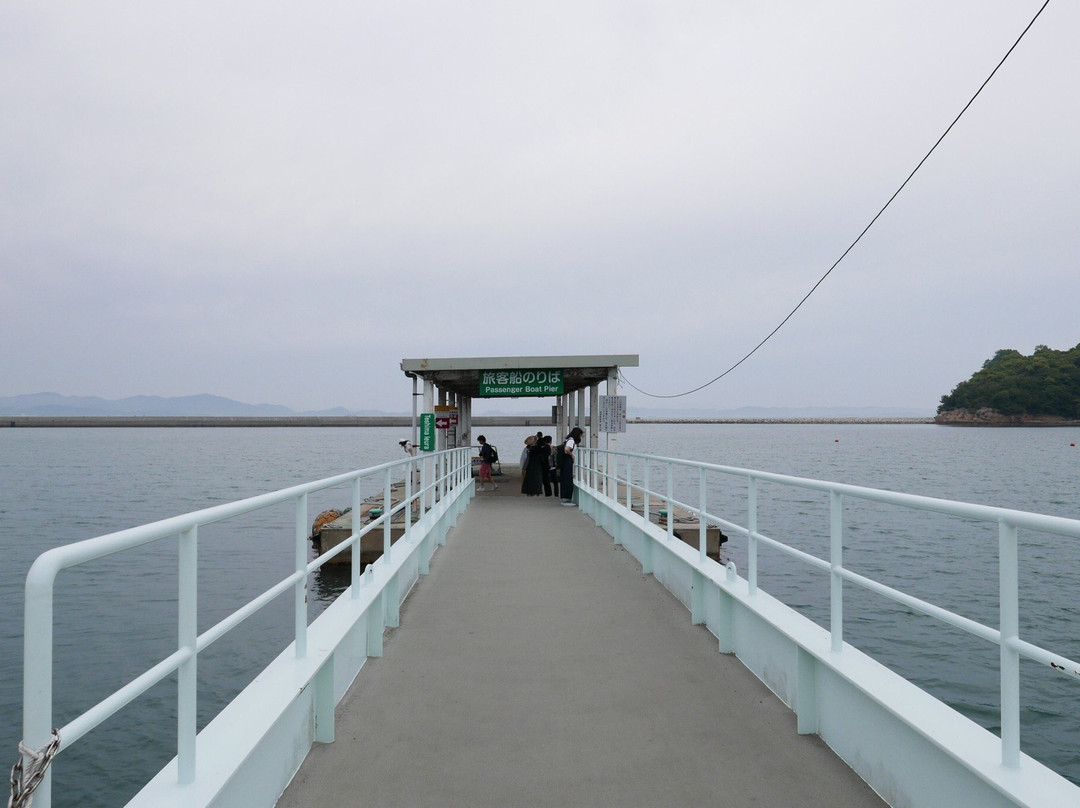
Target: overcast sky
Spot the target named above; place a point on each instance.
(277, 202)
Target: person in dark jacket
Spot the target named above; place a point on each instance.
(566, 468)
(547, 470)
(532, 473)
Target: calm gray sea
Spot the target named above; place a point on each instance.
(115, 618)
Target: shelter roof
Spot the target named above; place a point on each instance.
(462, 375)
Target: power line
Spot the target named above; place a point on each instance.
(851, 246)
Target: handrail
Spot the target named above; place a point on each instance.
(440, 473)
(597, 466)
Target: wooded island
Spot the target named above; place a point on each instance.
(1016, 390)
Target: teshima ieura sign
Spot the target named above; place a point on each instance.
(494, 383)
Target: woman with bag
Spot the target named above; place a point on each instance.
(566, 469)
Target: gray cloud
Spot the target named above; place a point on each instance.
(276, 203)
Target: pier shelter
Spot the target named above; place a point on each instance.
(451, 385)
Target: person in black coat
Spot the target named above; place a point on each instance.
(532, 478)
(548, 473)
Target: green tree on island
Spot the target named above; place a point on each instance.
(1045, 383)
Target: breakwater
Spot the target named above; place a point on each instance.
(197, 421)
(927, 420)
(64, 421)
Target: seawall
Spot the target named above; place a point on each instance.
(84, 421)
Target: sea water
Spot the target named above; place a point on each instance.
(117, 616)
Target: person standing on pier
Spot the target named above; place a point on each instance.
(533, 476)
(487, 455)
(566, 468)
(523, 464)
(546, 466)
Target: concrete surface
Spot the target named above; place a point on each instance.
(537, 666)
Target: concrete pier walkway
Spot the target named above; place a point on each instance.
(537, 666)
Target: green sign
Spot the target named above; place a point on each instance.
(427, 432)
(494, 383)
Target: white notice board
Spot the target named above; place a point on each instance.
(612, 414)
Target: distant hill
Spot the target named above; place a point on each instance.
(54, 404)
(1045, 384)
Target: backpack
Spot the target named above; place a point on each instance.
(493, 454)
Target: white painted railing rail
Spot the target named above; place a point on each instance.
(439, 475)
(610, 473)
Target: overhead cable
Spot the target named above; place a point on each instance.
(858, 238)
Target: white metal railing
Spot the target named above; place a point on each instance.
(440, 475)
(603, 473)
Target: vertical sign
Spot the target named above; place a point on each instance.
(612, 413)
(427, 432)
(446, 419)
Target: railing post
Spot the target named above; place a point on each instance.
(354, 575)
(406, 512)
(423, 485)
(751, 543)
(386, 516)
(836, 562)
(645, 492)
(629, 486)
(38, 675)
(601, 472)
(670, 496)
(300, 590)
(702, 533)
(1009, 598)
(188, 635)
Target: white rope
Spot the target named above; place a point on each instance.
(25, 783)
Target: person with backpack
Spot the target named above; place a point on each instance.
(488, 455)
(566, 468)
(548, 473)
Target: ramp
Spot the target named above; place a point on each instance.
(535, 666)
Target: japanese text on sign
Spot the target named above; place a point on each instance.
(612, 412)
(427, 432)
(520, 383)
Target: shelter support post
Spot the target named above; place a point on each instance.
(594, 406)
(612, 390)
